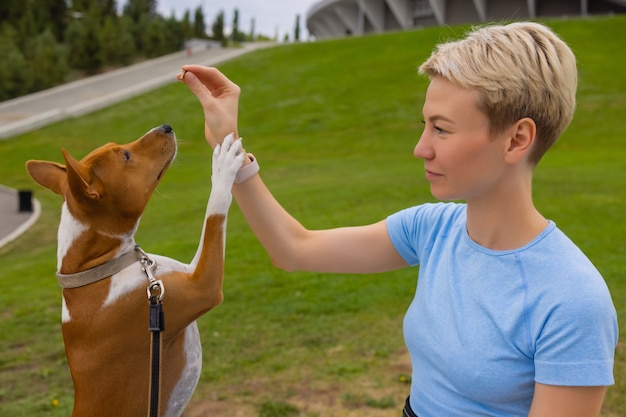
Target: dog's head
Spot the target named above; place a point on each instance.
(112, 182)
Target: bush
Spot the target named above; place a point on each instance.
(153, 38)
(84, 44)
(47, 61)
(13, 68)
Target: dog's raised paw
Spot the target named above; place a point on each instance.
(227, 160)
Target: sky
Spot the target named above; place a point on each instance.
(271, 16)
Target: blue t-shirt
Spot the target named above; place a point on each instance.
(485, 325)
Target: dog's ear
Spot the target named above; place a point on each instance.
(79, 178)
(47, 174)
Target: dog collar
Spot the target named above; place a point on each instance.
(89, 276)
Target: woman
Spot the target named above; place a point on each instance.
(510, 318)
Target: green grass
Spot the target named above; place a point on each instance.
(333, 125)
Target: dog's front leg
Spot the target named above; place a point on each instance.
(208, 262)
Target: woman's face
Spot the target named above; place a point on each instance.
(463, 161)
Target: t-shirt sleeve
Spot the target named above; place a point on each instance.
(577, 342)
(401, 230)
(413, 230)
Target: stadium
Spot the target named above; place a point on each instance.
(336, 18)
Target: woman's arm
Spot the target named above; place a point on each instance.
(561, 401)
(363, 249)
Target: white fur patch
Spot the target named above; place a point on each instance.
(124, 282)
(65, 313)
(191, 373)
(128, 239)
(69, 230)
(227, 160)
(219, 200)
(131, 277)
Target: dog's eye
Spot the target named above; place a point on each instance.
(126, 156)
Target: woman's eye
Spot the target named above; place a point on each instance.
(437, 129)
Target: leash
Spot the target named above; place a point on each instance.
(155, 292)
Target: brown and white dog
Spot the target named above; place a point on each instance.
(105, 323)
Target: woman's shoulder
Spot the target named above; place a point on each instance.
(557, 265)
(415, 228)
(434, 212)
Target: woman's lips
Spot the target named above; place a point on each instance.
(431, 174)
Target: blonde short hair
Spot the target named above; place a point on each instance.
(522, 69)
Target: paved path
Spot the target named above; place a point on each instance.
(33, 111)
(13, 222)
(75, 99)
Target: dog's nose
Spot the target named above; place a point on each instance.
(166, 128)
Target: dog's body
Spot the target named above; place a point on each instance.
(105, 323)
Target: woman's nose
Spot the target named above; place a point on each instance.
(422, 149)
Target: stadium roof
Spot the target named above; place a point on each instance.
(336, 18)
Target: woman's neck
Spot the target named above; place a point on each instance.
(505, 220)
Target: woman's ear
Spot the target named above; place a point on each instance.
(522, 137)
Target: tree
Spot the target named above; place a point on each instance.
(186, 26)
(74, 38)
(104, 7)
(138, 28)
(11, 11)
(252, 23)
(218, 28)
(110, 41)
(137, 9)
(83, 39)
(43, 14)
(108, 8)
(154, 39)
(174, 38)
(80, 5)
(98, 9)
(296, 33)
(50, 14)
(127, 48)
(48, 60)
(13, 69)
(199, 27)
(235, 31)
(41, 40)
(118, 44)
(27, 28)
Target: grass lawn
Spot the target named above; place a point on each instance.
(333, 125)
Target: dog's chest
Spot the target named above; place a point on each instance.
(129, 280)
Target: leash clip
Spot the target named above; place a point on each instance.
(156, 289)
(148, 266)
